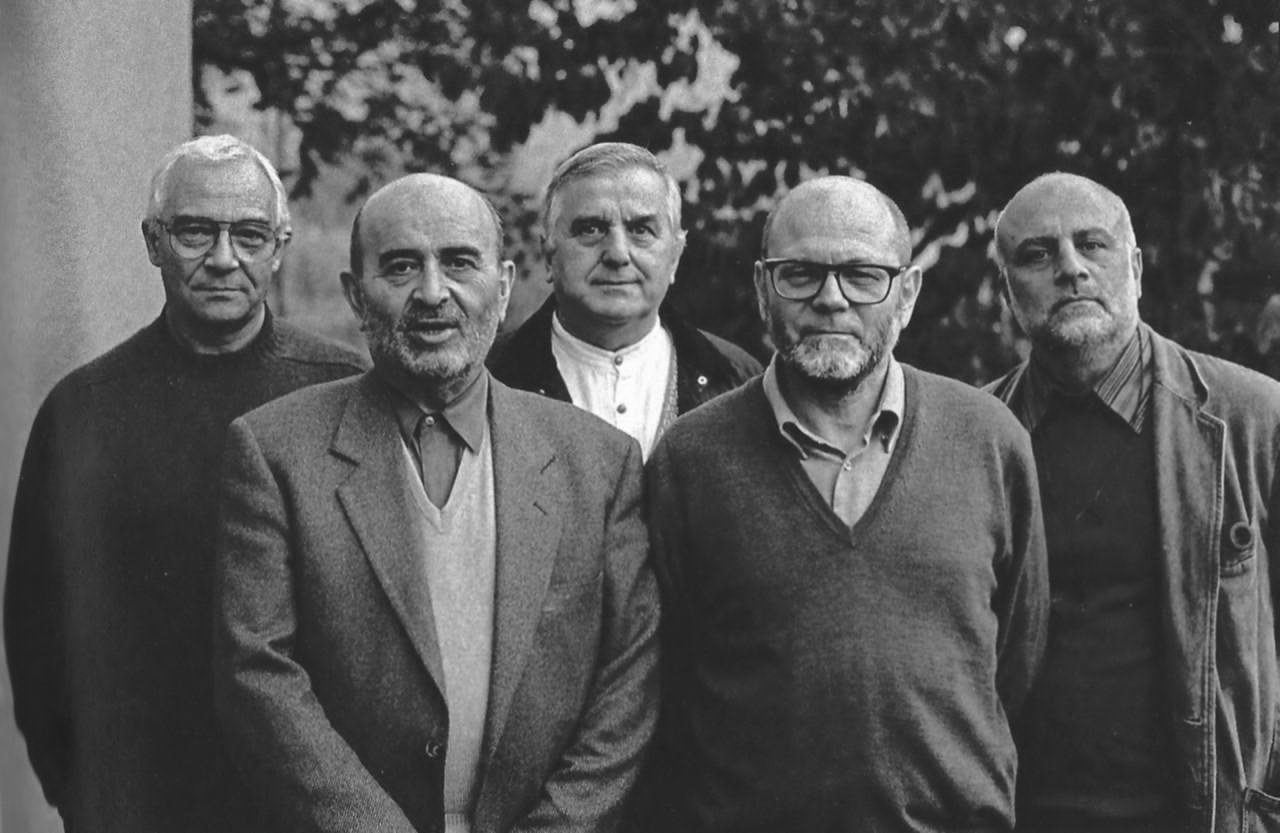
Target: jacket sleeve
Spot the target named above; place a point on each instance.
(1022, 595)
(587, 790)
(303, 770)
(651, 809)
(34, 623)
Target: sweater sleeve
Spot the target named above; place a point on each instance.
(33, 620)
(650, 810)
(1022, 595)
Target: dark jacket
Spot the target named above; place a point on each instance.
(1217, 434)
(706, 365)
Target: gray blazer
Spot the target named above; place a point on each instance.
(327, 669)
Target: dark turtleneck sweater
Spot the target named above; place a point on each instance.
(108, 597)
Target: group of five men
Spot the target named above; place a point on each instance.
(845, 595)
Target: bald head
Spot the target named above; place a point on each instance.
(835, 207)
(431, 194)
(1056, 198)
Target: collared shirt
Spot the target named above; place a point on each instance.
(1125, 389)
(632, 389)
(847, 481)
(437, 439)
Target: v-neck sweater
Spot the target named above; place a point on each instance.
(826, 678)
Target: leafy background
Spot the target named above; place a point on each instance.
(947, 106)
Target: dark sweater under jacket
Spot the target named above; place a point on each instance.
(706, 365)
(819, 678)
(108, 608)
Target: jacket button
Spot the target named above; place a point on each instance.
(434, 749)
(702, 381)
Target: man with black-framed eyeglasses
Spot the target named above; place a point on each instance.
(851, 558)
(108, 601)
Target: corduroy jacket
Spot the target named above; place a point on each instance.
(1217, 435)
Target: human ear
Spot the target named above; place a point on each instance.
(354, 292)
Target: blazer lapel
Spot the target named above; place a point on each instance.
(377, 507)
(528, 521)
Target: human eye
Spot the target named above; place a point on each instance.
(1032, 256)
(589, 230)
(1093, 245)
(251, 236)
(457, 263)
(863, 274)
(643, 230)
(194, 232)
(798, 273)
(400, 269)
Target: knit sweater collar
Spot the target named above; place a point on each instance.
(265, 343)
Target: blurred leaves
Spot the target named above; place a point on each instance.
(949, 107)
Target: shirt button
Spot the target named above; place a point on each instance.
(702, 381)
(622, 409)
(429, 421)
(848, 466)
(617, 360)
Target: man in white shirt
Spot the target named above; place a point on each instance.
(606, 341)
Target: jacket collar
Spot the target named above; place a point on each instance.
(527, 354)
(528, 515)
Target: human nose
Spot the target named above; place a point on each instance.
(830, 295)
(430, 287)
(222, 255)
(616, 250)
(1071, 266)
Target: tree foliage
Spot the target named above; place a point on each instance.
(949, 107)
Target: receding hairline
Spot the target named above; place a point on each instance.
(834, 187)
(1063, 180)
(422, 180)
(218, 149)
(604, 159)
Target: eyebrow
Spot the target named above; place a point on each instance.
(198, 218)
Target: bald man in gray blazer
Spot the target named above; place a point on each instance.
(448, 634)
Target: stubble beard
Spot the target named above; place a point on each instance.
(838, 362)
(391, 347)
(1081, 330)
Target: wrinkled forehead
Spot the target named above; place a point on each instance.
(631, 192)
(238, 186)
(851, 218)
(1060, 209)
(434, 213)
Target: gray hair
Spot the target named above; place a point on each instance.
(608, 158)
(221, 148)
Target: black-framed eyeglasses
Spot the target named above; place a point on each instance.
(802, 280)
(195, 237)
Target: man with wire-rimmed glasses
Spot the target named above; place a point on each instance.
(108, 611)
(852, 562)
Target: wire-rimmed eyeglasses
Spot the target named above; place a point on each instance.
(194, 237)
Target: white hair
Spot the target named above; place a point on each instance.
(221, 148)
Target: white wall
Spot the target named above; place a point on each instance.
(92, 93)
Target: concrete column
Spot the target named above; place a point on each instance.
(91, 96)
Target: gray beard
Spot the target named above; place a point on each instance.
(826, 362)
(391, 349)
